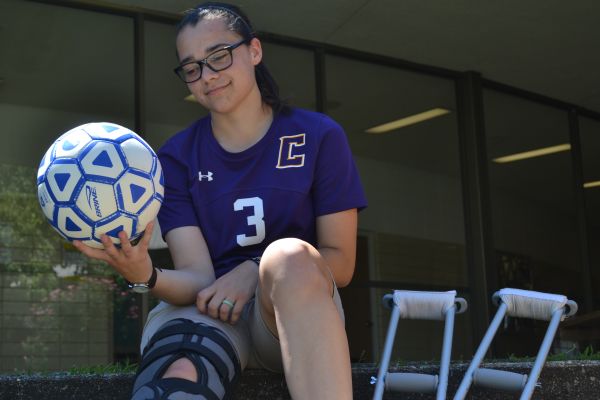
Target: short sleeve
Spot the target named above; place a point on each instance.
(177, 209)
(337, 185)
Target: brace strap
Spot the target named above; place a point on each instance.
(216, 362)
(177, 388)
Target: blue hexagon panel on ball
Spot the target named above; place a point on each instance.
(100, 178)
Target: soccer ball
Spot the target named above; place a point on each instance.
(100, 178)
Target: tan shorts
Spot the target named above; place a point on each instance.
(254, 343)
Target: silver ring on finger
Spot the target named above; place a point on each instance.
(229, 303)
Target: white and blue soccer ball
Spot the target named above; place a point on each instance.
(100, 178)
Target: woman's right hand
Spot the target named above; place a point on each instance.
(132, 262)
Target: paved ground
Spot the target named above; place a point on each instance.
(572, 380)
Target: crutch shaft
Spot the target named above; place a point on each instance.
(446, 353)
(387, 353)
(480, 353)
(542, 354)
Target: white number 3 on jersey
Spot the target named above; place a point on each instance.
(256, 220)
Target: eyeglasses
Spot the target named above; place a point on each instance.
(216, 61)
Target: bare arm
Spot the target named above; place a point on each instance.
(193, 267)
(336, 235)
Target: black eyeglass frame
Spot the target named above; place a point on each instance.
(201, 63)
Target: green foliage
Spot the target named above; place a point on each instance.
(29, 242)
(19, 207)
(119, 368)
(52, 281)
(102, 369)
(572, 354)
(588, 354)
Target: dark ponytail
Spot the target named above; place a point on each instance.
(269, 89)
(238, 22)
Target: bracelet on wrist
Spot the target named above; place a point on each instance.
(143, 287)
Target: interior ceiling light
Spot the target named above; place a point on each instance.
(190, 98)
(413, 119)
(592, 184)
(533, 153)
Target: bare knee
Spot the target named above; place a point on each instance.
(182, 368)
(293, 266)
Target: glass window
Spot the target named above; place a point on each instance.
(590, 148)
(533, 218)
(170, 107)
(412, 180)
(293, 70)
(60, 68)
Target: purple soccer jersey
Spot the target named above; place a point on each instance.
(301, 169)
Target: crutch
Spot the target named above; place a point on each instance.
(523, 304)
(418, 305)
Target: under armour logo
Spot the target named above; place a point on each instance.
(208, 176)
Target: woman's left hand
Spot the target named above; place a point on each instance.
(235, 287)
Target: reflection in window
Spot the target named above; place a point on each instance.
(169, 107)
(293, 72)
(533, 217)
(412, 179)
(61, 68)
(590, 148)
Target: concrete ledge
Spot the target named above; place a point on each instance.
(559, 380)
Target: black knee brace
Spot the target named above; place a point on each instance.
(213, 356)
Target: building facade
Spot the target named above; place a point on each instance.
(446, 210)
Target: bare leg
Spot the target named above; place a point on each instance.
(296, 303)
(182, 368)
